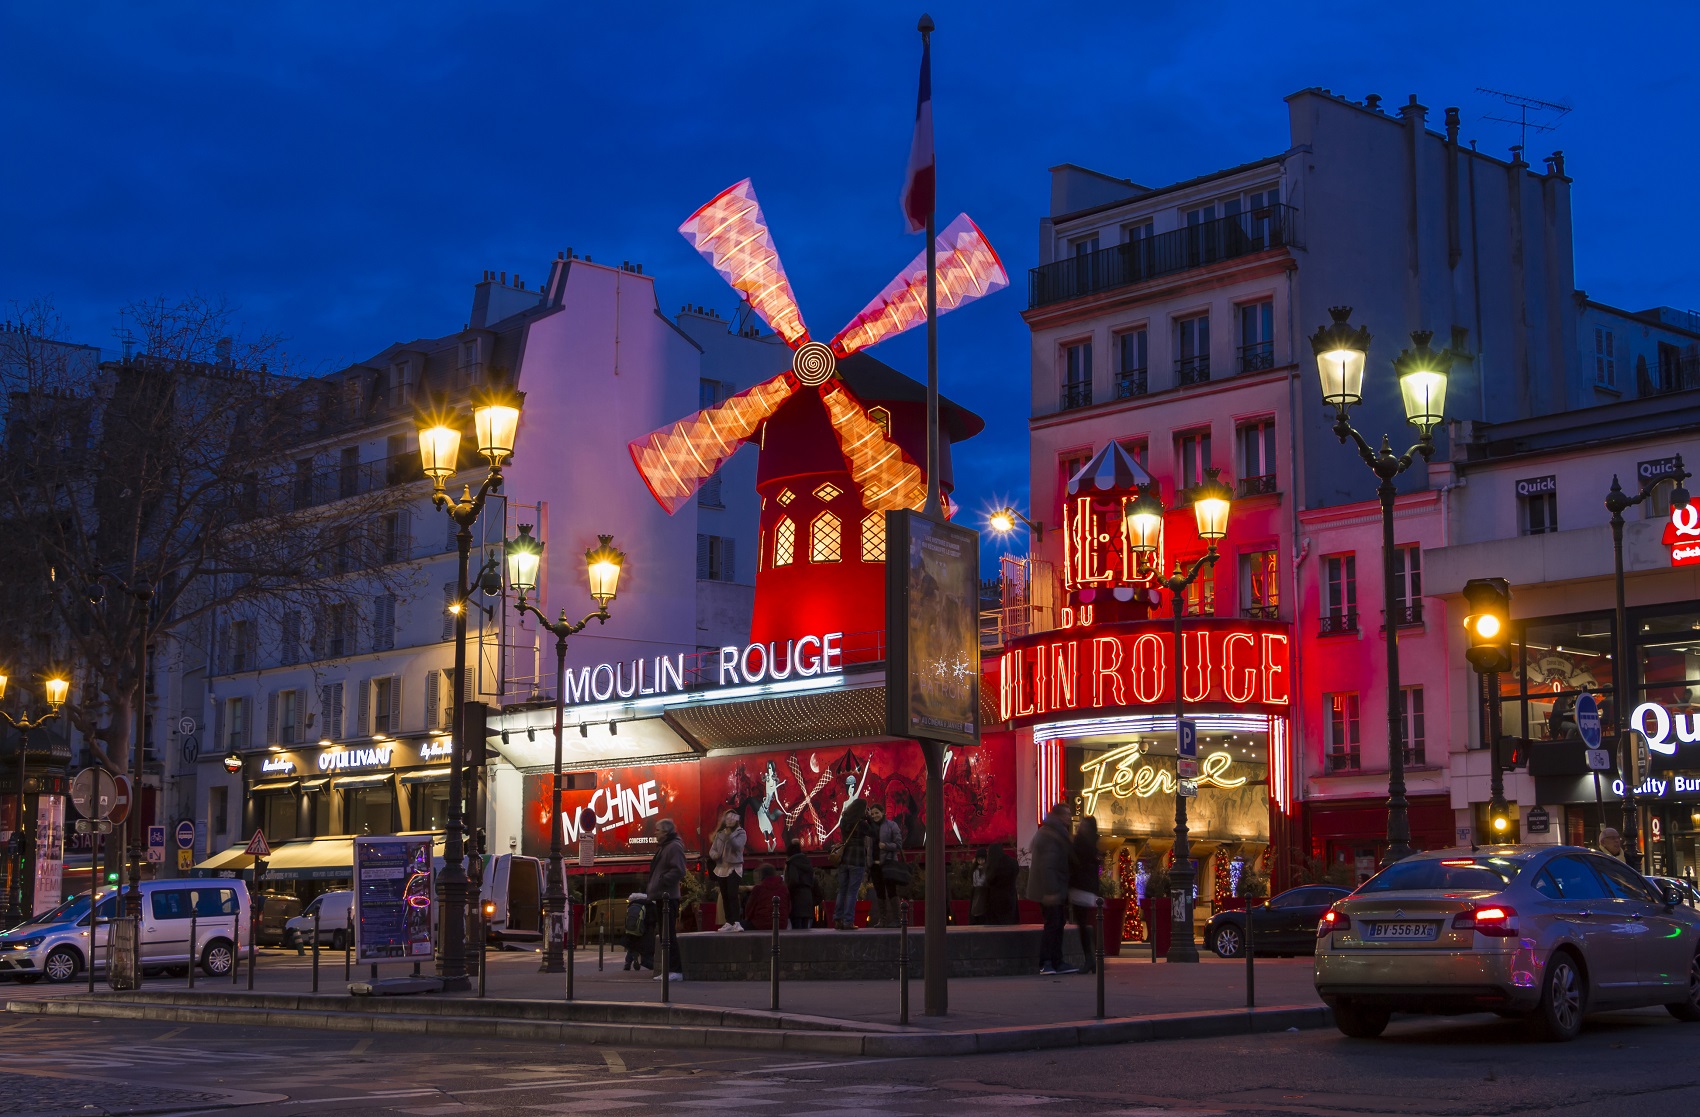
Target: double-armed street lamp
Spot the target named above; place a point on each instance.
(1341, 352)
(13, 906)
(1143, 521)
(495, 422)
(1617, 503)
(602, 566)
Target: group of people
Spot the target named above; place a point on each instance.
(1064, 874)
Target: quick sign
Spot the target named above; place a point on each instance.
(1658, 468)
(1682, 536)
(1536, 486)
(1663, 729)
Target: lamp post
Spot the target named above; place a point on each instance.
(1143, 523)
(13, 908)
(1617, 503)
(1003, 521)
(1341, 352)
(495, 418)
(603, 563)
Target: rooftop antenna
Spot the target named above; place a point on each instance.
(1524, 106)
(125, 334)
(745, 323)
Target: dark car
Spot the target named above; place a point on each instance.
(1285, 925)
(276, 910)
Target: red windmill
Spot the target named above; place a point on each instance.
(833, 460)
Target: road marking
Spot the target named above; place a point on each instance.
(172, 1034)
(360, 1047)
(616, 1065)
(367, 1097)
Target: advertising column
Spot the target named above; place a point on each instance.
(49, 851)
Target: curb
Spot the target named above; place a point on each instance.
(841, 1040)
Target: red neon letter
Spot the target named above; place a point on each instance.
(1009, 663)
(1195, 665)
(1233, 673)
(1106, 664)
(1275, 691)
(1148, 667)
(1063, 663)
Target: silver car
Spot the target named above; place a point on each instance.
(1544, 932)
(56, 945)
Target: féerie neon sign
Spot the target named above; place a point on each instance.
(1114, 773)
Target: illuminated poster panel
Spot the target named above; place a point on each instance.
(931, 606)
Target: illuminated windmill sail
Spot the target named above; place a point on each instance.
(732, 234)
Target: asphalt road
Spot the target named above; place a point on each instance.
(1642, 1064)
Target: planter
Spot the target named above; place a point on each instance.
(1157, 916)
(1115, 915)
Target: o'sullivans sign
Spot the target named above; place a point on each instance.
(1244, 665)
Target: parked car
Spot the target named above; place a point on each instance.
(334, 911)
(276, 910)
(57, 945)
(1285, 925)
(1690, 894)
(1548, 933)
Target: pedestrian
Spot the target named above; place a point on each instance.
(977, 890)
(726, 855)
(1047, 882)
(800, 883)
(666, 873)
(1085, 865)
(1611, 842)
(758, 909)
(888, 869)
(854, 852)
(1002, 907)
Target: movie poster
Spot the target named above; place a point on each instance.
(627, 802)
(932, 614)
(394, 899)
(49, 852)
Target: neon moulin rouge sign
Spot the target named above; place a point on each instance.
(1244, 665)
(1682, 536)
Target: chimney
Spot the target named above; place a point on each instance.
(1452, 126)
(1372, 102)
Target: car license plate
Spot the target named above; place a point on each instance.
(1417, 932)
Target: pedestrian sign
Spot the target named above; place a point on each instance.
(1188, 746)
(1588, 720)
(258, 846)
(185, 860)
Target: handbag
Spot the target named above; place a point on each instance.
(836, 857)
(896, 872)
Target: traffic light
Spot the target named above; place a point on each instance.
(1499, 817)
(1488, 624)
(1511, 753)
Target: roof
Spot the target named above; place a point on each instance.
(1155, 191)
(874, 380)
(1111, 470)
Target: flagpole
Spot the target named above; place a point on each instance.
(934, 507)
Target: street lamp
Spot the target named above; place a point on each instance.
(1617, 503)
(1341, 353)
(495, 421)
(1143, 523)
(602, 567)
(13, 908)
(1002, 521)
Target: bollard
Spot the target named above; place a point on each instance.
(664, 939)
(903, 961)
(193, 913)
(316, 912)
(348, 947)
(1250, 974)
(236, 948)
(773, 964)
(602, 940)
(572, 935)
(94, 925)
(1098, 956)
(253, 949)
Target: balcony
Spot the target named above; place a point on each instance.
(1192, 370)
(1407, 614)
(1195, 246)
(342, 481)
(1337, 624)
(1269, 612)
(1075, 395)
(1257, 486)
(1257, 356)
(1343, 761)
(1130, 382)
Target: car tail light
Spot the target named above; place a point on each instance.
(1497, 920)
(1331, 921)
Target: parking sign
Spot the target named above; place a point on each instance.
(1188, 747)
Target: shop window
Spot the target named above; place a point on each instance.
(1561, 658)
(1339, 594)
(1256, 441)
(1411, 725)
(1342, 710)
(278, 816)
(430, 806)
(371, 810)
(1407, 585)
(825, 538)
(1192, 457)
(1537, 513)
(1260, 593)
(1670, 661)
(785, 542)
(873, 537)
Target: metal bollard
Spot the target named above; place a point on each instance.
(1250, 973)
(316, 913)
(602, 940)
(253, 948)
(572, 936)
(773, 964)
(1098, 956)
(903, 961)
(348, 948)
(192, 941)
(236, 948)
(665, 941)
(483, 943)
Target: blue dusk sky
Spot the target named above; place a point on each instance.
(343, 173)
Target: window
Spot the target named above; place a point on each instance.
(1083, 246)
(1411, 725)
(1257, 456)
(873, 537)
(236, 722)
(1342, 710)
(1130, 373)
(1192, 457)
(1261, 204)
(1201, 595)
(1257, 336)
(711, 392)
(400, 382)
(1657, 505)
(785, 497)
(1077, 375)
(439, 699)
(1137, 449)
(881, 417)
(383, 622)
(395, 538)
(218, 812)
(386, 705)
(338, 631)
(1340, 594)
(709, 495)
(241, 653)
(1067, 466)
(1192, 343)
(303, 482)
(1574, 880)
(1605, 357)
(278, 815)
(330, 711)
(1407, 585)
(1260, 593)
(715, 559)
(828, 493)
(291, 631)
(825, 537)
(431, 805)
(371, 810)
(785, 542)
(284, 717)
(348, 471)
(1537, 513)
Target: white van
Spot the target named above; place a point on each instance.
(335, 913)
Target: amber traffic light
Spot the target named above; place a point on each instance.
(1487, 627)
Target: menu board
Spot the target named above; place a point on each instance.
(394, 899)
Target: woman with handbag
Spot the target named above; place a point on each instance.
(889, 870)
(726, 854)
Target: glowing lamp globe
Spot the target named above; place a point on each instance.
(1143, 521)
(602, 565)
(439, 448)
(57, 690)
(495, 421)
(524, 557)
(1340, 354)
(1422, 381)
(1210, 503)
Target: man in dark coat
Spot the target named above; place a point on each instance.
(1047, 883)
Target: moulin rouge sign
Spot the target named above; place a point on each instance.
(1241, 664)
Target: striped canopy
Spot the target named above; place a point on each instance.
(1111, 470)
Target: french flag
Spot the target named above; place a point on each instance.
(918, 184)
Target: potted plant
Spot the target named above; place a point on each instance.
(1115, 913)
(1254, 888)
(1159, 908)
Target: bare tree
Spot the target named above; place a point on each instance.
(143, 496)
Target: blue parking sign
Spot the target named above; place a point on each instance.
(1188, 747)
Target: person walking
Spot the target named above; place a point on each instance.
(1085, 864)
(726, 855)
(758, 909)
(1047, 883)
(1002, 907)
(854, 853)
(888, 869)
(666, 873)
(977, 889)
(800, 883)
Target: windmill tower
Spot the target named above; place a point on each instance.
(839, 433)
